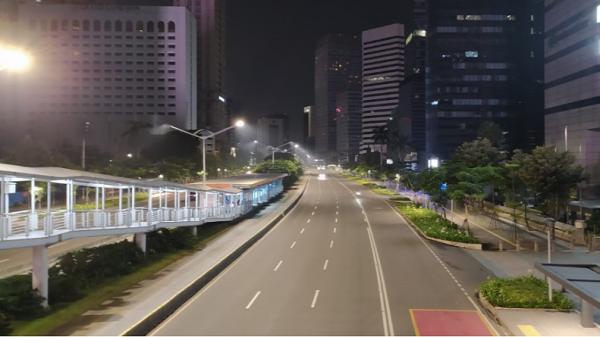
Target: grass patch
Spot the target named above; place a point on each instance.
(62, 315)
(433, 225)
(523, 292)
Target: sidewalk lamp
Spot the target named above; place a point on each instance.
(433, 163)
(130, 155)
(198, 134)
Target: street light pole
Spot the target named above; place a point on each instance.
(83, 144)
(238, 124)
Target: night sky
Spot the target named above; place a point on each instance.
(271, 43)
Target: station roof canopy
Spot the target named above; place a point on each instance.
(59, 174)
(245, 181)
(581, 279)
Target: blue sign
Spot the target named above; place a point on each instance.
(443, 187)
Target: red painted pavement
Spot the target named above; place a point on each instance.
(449, 323)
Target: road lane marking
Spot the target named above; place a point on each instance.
(5, 260)
(278, 265)
(528, 330)
(337, 213)
(293, 244)
(331, 244)
(386, 314)
(325, 264)
(314, 301)
(336, 220)
(308, 221)
(216, 279)
(313, 213)
(253, 299)
(302, 231)
(439, 260)
(316, 207)
(334, 229)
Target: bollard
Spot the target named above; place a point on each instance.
(500, 246)
(536, 247)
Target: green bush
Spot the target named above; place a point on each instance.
(17, 299)
(167, 240)
(63, 288)
(522, 292)
(90, 266)
(4, 325)
(435, 226)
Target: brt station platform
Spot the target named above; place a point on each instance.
(41, 206)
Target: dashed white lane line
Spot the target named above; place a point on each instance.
(337, 213)
(336, 220)
(5, 260)
(253, 299)
(334, 229)
(302, 231)
(308, 221)
(314, 300)
(331, 244)
(278, 265)
(293, 244)
(313, 213)
(316, 207)
(325, 264)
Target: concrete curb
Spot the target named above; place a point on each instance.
(161, 313)
(472, 246)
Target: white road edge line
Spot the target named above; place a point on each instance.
(386, 314)
(314, 300)
(488, 323)
(293, 244)
(278, 265)
(253, 299)
(325, 264)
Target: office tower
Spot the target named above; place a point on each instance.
(572, 70)
(337, 67)
(382, 74)
(482, 67)
(213, 112)
(348, 125)
(119, 68)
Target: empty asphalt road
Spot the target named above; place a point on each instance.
(341, 263)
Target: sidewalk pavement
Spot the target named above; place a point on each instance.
(121, 313)
(513, 263)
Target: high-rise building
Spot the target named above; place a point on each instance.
(212, 108)
(348, 125)
(483, 65)
(122, 69)
(572, 69)
(382, 74)
(337, 68)
(270, 130)
(308, 125)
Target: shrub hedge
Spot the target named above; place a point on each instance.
(522, 292)
(77, 273)
(435, 226)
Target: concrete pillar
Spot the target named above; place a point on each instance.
(140, 241)
(587, 314)
(39, 275)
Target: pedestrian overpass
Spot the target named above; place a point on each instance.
(41, 206)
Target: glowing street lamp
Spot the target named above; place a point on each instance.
(13, 59)
(209, 134)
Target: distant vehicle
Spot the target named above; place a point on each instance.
(320, 167)
(322, 176)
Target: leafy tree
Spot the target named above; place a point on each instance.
(479, 152)
(430, 182)
(550, 175)
(134, 132)
(472, 181)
